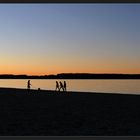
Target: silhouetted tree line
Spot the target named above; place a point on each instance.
(97, 76)
(73, 76)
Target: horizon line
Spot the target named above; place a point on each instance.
(69, 73)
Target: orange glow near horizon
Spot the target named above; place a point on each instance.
(73, 65)
(55, 71)
(39, 65)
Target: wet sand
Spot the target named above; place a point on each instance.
(50, 113)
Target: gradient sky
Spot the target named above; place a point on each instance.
(38, 39)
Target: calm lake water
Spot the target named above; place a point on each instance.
(110, 86)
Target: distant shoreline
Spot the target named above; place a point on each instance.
(72, 76)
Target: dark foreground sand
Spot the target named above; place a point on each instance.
(48, 113)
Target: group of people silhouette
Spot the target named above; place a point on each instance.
(59, 86)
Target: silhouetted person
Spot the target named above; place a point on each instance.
(28, 85)
(61, 86)
(65, 86)
(57, 86)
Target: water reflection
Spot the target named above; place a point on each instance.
(112, 86)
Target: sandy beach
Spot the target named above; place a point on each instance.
(50, 113)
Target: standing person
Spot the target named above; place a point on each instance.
(57, 86)
(65, 86)
(61, 86)
(28, 85)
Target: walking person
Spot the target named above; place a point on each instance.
(28, 85)
(57, 86)
(65, 86)
(61, 86)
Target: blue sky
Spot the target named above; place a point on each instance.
(54, 38)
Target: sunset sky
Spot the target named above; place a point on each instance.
(41, 39)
